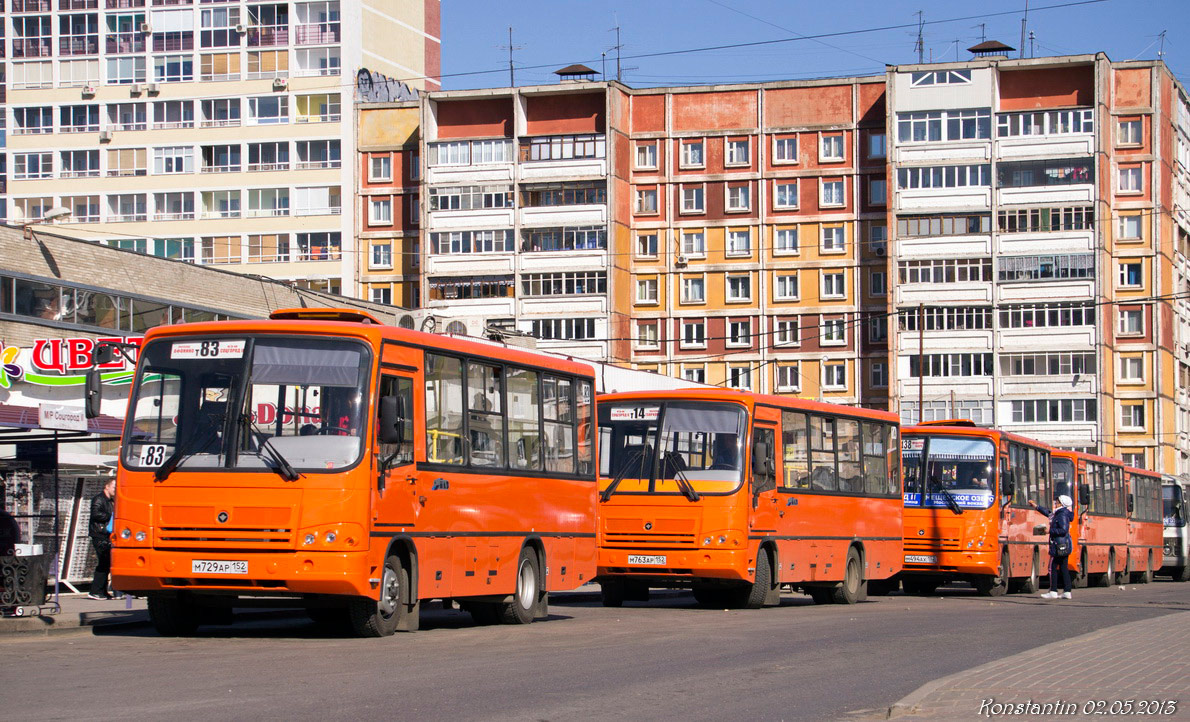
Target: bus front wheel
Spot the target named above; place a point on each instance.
(172, 616)
(380, 618)
(1081, 578)
(995, 586)
(850, 591)
(522, 608)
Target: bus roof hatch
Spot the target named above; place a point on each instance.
(325, 314)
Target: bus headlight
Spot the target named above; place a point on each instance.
(125, 533)
(722, 539)
(140, 536)
(309, 539)
(706, 541)
(330, 537)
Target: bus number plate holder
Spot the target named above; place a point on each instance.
(222, 566)
(921, 558)
(649, 559)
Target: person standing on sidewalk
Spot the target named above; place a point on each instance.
(103, 509)
(1060, 544)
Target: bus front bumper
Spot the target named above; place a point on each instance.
(952, 562)
(678, 564)
(147, 570)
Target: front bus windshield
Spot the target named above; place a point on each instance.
(1063, 471)
(958, 471)
(1171, 495)
(671, 447)
(247, 403)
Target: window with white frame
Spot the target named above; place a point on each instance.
(785, 150)
(647, 335)
(79, 164)
(221, 204)
(877, 283)
(646, 200)
(739, 242)
(945, 176)
(833, 284)
(173, 159)
(646, 245)
(693, 153)
(1135, 459)
(1130, 228)
(646, 155)
(173, 68)
(694, 373)
(414, 165)
(831, 147)
(84, 209)
(268, 110)
(1041, 410)
(694, 289)
(78, 118)
(32, 166)
(739, 333)
(877, 191)
(382, 294)
(1132, 369)
(382, 255)
(877, 145)
(173, 115)
(32, 121)
(739, 197)
(694, 333)
(173, 206)
(1131, 178)
(833, 239)
(788, 377)
(380, 211)
(740, 377)
(646, 290)
(380, 168)
(834, 375)
(1131, 322)
(784, 194)
(739, 288)
(832, 192)
(737, 152)
(787, 332)
(877, 328)
(878, 375)
(834, 331)
(1131, 274)
(1132, 415)
(692, 199)
(76, 73)
(785, 286)
(1045, 122)
(877, 237)
(126, 71)
(785, 240)
(694, 244)
(1129, 132)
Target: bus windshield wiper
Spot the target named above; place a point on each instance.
(187, 449)
(950, 500)
(623, 472)
(265, 443)
(682, 480)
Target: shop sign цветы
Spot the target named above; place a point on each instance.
(57, 416)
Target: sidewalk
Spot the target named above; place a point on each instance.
(78, 613)
(1138, 666)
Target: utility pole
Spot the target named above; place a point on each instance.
(510, 47)
(920, 46)
(1024, 24)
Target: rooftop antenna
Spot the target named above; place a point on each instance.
(510, 47)
(1032, 37)
(919, 46)
(983, 31)
(1024, 24)
(603, 59)
(1161, 47)
(617, 47)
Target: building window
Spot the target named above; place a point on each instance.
(75, 73)
(785, 286)
(219, 66)
(646, 156)
(566, 238)
(380, 212)
(646, 245)
(318, 108)
(221, 204)
(878, 283)
(694, 244)
(647, 290)
(1131, 179)
(831, 147)
(788, 378)
(948, 125)
(1135, 459)
(268, 110)
(740, 377)
(833, 239)
(647, 335)
(382, 294)
(832, 193)
(1043, 410)
(1130, 132)
(693, 290)
(79, 164)
(382, 255)
(944, 225)
(1132, 322)
(945, 365)
(834, 331)
(457, 242)
(1130, 275)
(1132, 369)
(646, 200)
(787, 332)
(945, 271)
(1022, 269)
(833, 285)
(737, 152)
(220, 112)
(313, 154)
(785, 240)
(126, 71)
(877, 145)
(947, 318)
(1048, 122)
(877, 191)
(268, 202)
(580, 283)
(739, 198)
(694, 334)
(739, 333)
(173, 68)
(739, 242)
(173, 159)
(562, 147)
(33, 121)
(563, 329)
(268, 156)
(944, 176)
(173, 114)
(1034, 173)
(785, 150)
(877, 328)
(694, 373)
(834, 375)
(784, 195)
(693, 154)
(32, 166)
(1048, 364)
(173, 206)
(1130, 228)
(739, 288)
(692, 199)
(1047, 315)
(878, 375)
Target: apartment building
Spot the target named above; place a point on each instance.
(1037, 245)
(208, 131)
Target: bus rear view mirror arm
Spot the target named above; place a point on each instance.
(102, 354)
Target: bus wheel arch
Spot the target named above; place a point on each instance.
(772, 597)
(852, 588)
(528, 596)
(541, 605)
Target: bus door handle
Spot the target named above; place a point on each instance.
(411, 478)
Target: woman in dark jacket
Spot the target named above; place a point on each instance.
(1060, 544)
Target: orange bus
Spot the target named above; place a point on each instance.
(733, 494)
(319, 459)
(1101, 535)
(967, 517)
(1145, 527)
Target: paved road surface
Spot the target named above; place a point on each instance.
(664, 660)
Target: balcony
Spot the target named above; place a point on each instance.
(325, 118)
(32, 48)
(317, 34)
(127, 217)
(268, 36)
(181, 216)
(120, 43)
(256, 167)
(31, 6)
(221, 168)
(317, 164)
(79, 173)
(125, 4)
(173, 42)
(323, 211)
(266, 212)
(137, 125)
(78, 45)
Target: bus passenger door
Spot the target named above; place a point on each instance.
(395, 488)
(763, 474)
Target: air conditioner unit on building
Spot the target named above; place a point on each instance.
(146, 28)
(681, 260)
(879, 250)
(241, 28)
(153, 88)
(105, 136)
(88, 91)
(135, 89)
(279, 83)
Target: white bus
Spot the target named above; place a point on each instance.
(1173, 496)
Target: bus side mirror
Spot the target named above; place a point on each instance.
(92, 393)
(1007, 487)
(760, 459)
(102, 354)
(392, 420)
(1084, 494)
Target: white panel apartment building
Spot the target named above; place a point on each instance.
(198, 129)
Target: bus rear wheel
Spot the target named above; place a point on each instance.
(380, 618)
(1146, 576)
(1180, 574)
(851, 590)
(1031, 583)
(997, 585)
(523, 607)
(1105, 579)
(1081, 578)
(172, 616)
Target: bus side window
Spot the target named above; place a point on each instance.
(875, 459)
(795, 450)
(1044, 488)
(444, 409)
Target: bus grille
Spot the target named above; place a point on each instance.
(931, 544)
(222, 537)
(642, 539)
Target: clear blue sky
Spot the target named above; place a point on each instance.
(556, 33)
